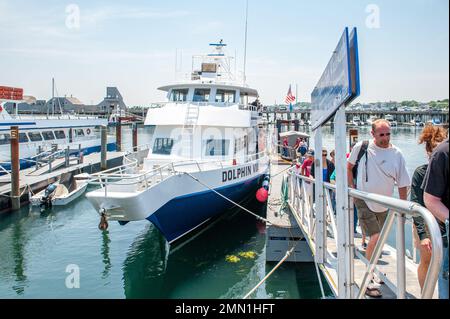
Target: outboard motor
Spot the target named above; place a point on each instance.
(46, 200)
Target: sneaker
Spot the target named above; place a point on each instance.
(357, 235)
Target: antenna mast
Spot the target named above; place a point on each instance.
(245, 45)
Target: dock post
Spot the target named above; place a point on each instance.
(135, 140)
(80, 155)
(67, 156)
(15, 186)
(103, 162)
(119, 135)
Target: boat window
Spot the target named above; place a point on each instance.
(48, 135)
(225, 96)
(79, 132)
(201, 95)
(5, 138)
(217, 147)
(179, 95)
(35, 136)
(60, 134)
(163, 146)
(23, 138)
(244, 98)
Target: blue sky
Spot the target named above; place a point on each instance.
(131, 44)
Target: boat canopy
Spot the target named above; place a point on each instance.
(294, 133)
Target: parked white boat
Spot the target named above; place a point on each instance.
(61, 193)
(417, 122)
(38, 133)
(205, 143)
(390, 119)
(356, 121)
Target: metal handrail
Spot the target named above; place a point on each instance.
(114, 175)
(400, 208)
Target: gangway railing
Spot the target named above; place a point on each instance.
(300, 202)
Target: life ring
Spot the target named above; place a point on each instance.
(88, 131)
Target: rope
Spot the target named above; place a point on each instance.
(320, 280)
(27, 187)
(233, 202)
(226, 198)
(288, 253)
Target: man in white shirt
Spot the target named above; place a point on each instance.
(379, 169)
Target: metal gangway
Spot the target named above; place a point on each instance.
(336, 252)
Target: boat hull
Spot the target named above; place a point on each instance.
(181, 202)
(184, 214)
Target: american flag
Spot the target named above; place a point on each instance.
(289, 97)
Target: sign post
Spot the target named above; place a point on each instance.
(337, 87)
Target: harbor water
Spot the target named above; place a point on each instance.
(61, 253)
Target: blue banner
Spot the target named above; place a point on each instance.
(339, 83)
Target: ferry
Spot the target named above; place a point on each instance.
(204, 155)
(39, 134)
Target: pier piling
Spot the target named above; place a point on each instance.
(103, 131)
(119, 135)
(135, 140)
(15, 188)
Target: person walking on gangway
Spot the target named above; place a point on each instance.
(379, 169)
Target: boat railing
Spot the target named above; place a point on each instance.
(248, 107)
(301, 203)
(129, 174)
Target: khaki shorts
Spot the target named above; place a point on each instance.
(370, 222)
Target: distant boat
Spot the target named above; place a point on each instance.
(356, 121)
(371, 119)
(391, 120)
(417, 122)
(435, 121)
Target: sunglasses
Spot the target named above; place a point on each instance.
(384, 134)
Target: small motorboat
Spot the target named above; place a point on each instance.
(62, 192)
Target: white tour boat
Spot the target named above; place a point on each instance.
(38, 134)
(204, 153)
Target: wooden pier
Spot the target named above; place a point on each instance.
(36, 180)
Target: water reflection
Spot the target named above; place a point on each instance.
(105, 253)
(18, 246)
(145, 264)
(13, 241)
(199, 268)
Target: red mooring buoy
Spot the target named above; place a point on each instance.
(262, 194)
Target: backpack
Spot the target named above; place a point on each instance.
(361, 153)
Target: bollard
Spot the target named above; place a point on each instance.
(15, 168)
(135, 139)
(119, 135)
(104, 141)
